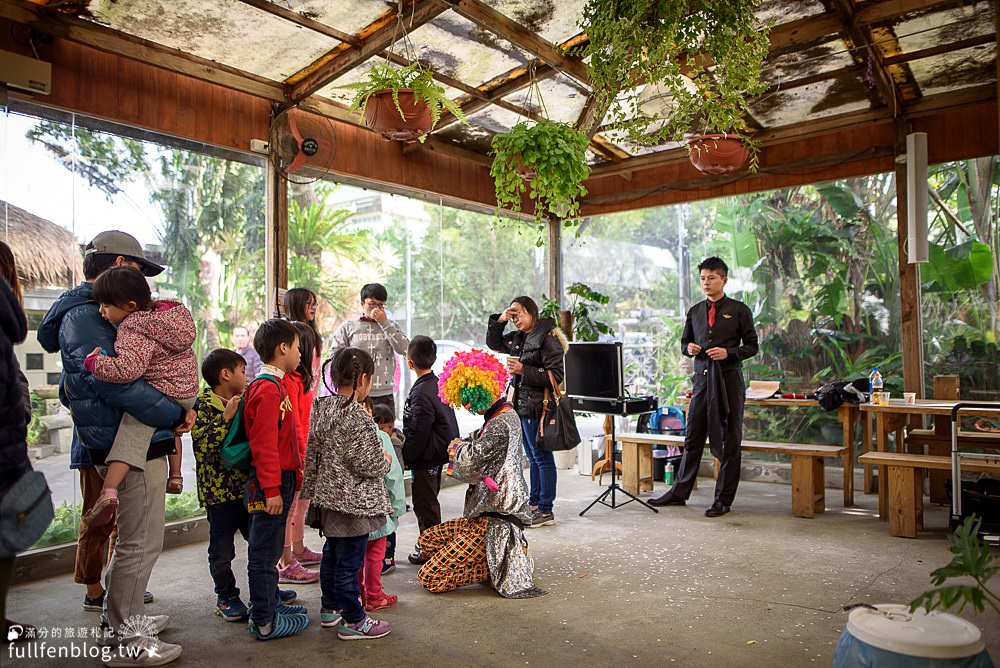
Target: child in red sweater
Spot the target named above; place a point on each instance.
(299, 383)
(275, 475)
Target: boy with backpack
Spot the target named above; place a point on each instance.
(275, 475)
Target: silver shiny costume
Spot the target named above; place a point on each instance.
(495, 451)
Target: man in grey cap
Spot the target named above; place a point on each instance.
(74, 326)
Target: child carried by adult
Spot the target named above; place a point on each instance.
(153, 342)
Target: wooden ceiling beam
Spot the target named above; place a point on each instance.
(128, 46)
(490, 19)
(939, 49)
(275, 9)
(383, 32)
(860, 36)
(495, 89)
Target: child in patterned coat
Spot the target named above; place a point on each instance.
(153, 341)
(220, 489)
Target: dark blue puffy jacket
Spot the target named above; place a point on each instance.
(74, 327)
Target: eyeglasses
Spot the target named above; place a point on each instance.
(371, 303)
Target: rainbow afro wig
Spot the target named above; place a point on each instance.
(473, 379)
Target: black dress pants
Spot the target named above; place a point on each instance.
(697, 433)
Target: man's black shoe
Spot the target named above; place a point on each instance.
(667, 499)
(417, 558)
(716, 510)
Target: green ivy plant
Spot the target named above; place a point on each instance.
(972, 560)
(704, 57)
(585, 327)
(383, 76)
(556, 153)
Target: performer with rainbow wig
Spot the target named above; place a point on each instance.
(487, 542)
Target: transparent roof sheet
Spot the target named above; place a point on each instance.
(461, 49)
(219, 31)
(348, 16)
(810, 60)
(947, 26)
(805, 103)
(554, 20)
(783, 11)
(496, 119)
(561, 99)
(958, 69)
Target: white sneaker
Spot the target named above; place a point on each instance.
(144, 651)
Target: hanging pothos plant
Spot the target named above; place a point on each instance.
(545, 158)
(667, 69)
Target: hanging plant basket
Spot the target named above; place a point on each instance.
(718, 154)
(527, 173)
(382, 116)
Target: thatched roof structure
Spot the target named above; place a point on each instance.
(46, 254)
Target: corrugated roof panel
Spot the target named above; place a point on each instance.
(474, 137)
(224, 31)
(496, 119)
(554, 20)
(944, 27)
(348, 16)
(562, 99)
(818, 100)
(958, 69)
(461, 49)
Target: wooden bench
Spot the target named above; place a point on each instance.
(808, 485)
(904, 491)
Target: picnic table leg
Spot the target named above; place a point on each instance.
(882, 445)
(847, 419)
(868, 482)
(906, 503)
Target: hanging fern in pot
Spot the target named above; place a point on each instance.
(548, 160)
(401, 103)
(665, 69)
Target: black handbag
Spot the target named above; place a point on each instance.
(557, 425)
(25, 513)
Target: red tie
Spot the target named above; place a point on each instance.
(711, 315)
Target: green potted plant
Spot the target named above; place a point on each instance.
(401, 103)
(665, 70)
(545, 158)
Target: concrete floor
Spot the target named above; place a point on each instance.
(757, 587)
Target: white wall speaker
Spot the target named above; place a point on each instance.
(916, 197)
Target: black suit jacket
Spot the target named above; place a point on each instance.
(733, 331)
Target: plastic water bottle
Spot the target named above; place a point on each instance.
(668, 474)
(876, 383)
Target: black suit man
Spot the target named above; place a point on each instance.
(719, 335)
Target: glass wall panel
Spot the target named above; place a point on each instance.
(195, 210)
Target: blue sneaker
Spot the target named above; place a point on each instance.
(287, 596)
(285, 609)
(282, 626)
(232, 610)
(328, 618)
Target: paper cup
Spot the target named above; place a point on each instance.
(909, 397)
(883, 400)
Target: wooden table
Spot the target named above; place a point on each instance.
(895, 416)
(848, 416)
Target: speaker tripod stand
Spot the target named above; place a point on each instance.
(614, 488)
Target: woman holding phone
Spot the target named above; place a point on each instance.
(535, 347)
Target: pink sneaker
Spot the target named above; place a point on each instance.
(380, 602)
(296, 573)
(104, 508)
(308, 557)
(363, 630)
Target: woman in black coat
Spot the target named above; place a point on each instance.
(536, 347)
(15, 411)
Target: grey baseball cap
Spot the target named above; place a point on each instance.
(114, 242)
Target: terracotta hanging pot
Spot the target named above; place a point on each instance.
(717, 154)
(382, 116)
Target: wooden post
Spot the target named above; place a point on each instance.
(909, 283)
(275, 238)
